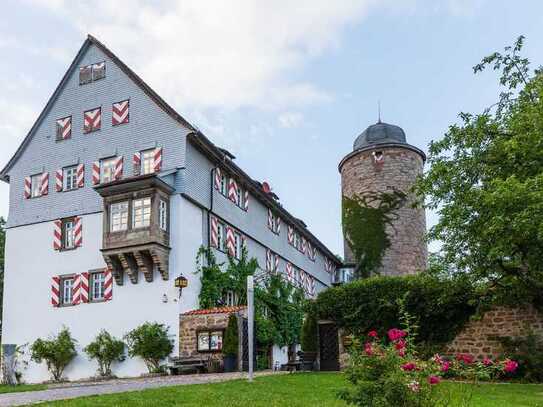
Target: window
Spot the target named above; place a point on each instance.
(118, 216)
(36, 185)
(141, 212)
(90, 73)
(69, 178)
(273, 222)
(224, 185)
(107, 169)
(238, 242)
(92, 120)
(210, 341)
(231, 299)
(97, 286)
(163, 215)
(64, 128)
(66, 290)
(68, 233)
(147, 161)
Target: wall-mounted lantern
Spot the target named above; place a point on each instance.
(181, 282)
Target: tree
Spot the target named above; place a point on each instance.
(106, 349)
(151, 342)
(309, 335)
(57, 352)
(486, 182)
(231, 339)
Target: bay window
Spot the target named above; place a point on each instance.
(119, 216)
(141, 212)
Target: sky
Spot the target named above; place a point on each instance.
(286, 86)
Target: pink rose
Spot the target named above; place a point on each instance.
(487, 362)
(510, 366)
(401, 352)
(438, 359)
(408, 367)
(445, 366)
(372, 334)
(464, 357)
(434, 379)
(394, 334)
(368, 349)
(400, 344)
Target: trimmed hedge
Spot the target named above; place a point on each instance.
(441, 307)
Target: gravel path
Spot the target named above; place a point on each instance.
(70, 391)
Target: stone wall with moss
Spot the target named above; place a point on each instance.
(360, 174)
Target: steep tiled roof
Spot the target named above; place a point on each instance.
(217, 310)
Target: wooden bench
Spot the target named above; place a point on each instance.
(178, 365)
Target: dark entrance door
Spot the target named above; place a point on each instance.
(329, 347)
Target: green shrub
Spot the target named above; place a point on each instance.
(441, 306)
(309, 340)
(528, 351)
(150, 341)
(231, 343)
(57, 352)
(106, 349)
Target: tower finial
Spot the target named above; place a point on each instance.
(379, 110)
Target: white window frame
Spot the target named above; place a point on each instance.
(221, 236)
(66, 290)
(107, 170)
(68, 234)
(141, 212)
(238, 243)
(147, 161)
(163, 215)
(224, 185)
(69, 178)
(120, 209)
(97, 286)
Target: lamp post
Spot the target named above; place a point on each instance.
(181, 282)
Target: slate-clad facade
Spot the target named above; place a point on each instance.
(55, 231)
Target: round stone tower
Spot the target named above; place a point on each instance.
(382, 161)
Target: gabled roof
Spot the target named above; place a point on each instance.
(217, 154)
(129, 72)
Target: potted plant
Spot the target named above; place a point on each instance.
(230, 345)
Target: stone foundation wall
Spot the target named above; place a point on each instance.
(479, 337)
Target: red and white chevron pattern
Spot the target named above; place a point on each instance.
(78, 232)
(81, 175)
(57, 235)
(230, 242)
(81, 289)
(218, 178)
(326, 264)
(108, 284)
(270, 219)
(118, 168)
(64, 128)
(311, 286)
(290, 235)
(302, 278)
(157, 160)
(55, 291)
(269, 260)
(246, 201)
(289, 272)
(59, 177)
(76, 290)
(278, 226)
(28, 188)
(44, 184)
(96, 172)
(214, 232)
(92, 120)
(304, 245)
(136, 163)
(119, 113)
(233, 191)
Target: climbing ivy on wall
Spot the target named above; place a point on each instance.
(365, 219)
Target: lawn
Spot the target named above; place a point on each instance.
(308, 389)
(21, 387)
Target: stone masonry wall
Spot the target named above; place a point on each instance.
(399, 169)
(478, 337)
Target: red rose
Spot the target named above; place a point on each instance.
(400, 344)
(408, 367)
(368, 349)
(372, 334)
(487, 362)
(394, 334)
(510, 366)
(445, 366)
(434, 379)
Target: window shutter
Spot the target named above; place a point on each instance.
(270, 219)
(311, 286)
(108, 284)
(44, 184)
(278, 225)
(78, 232)
(214, 232)
(268, 260)
(218, 178)
(230, 242)
(276, 263)
(246, 203)
(59, 175)
(55, 291)
(96, 172)
(136, 163)
(76, 291)
(232, 190)
(119, 113)
(157, 160)
(57, 235)
(290, 235)
(119, 168)
(304, 245)
(84, 287)
(64, 128)
(81, 175)
(289, 272)
(28, 188)
(92, 120)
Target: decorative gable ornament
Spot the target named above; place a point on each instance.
(120, 113)
(92, 120)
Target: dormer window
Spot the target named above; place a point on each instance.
(91, 73)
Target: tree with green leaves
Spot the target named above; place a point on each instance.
(486, 182)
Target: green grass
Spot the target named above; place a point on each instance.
(312, 389)
(4, 388)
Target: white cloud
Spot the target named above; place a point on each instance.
(290, 120)
(219, 53)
